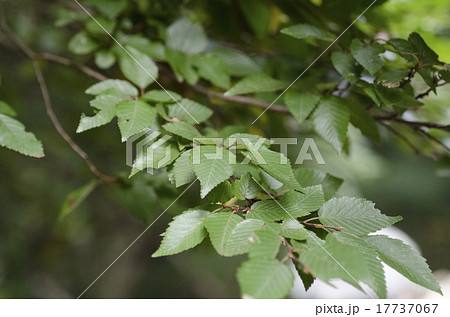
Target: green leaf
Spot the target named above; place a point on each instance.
(111, 9)
(138, 68)
(230, 234)
(310, 177)
(261, 278)
(259, 82)
(186, 37)
(212, 166)
(76, 198)
(330, 120)
(346, 66)
(392, 79)
(333, 259)
(182, 66)
(82, 43)
(276, 165)
(162, 96)
(184, 232)
(265, 242)
(119, 87)
(182, 129)
(300, 105)
(363, 121)
(107, 110)
(404, 259)
(356, 215)
(104, 59)
(213, 69)
(246, 187)
(292, 205)
(157, 155)
(405, 49)
(221, 193)
(375, 280)
(368, 55)
(424, 52)
(444, 74)
(182, 169)
(14, 137)
(293, 229)
(237, 63)
(154, 50)
(258, 16)
(306, 31)
(189, 110)
(6, 109)
(134, 116)
(94, 28)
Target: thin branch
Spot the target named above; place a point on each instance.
(426, 93)
(239, 99)
(321, 226)
(67, 62)
(48, 105)
(429, 136)
(414, 124)
(405, 139)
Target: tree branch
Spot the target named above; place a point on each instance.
(414, 124)
(48, 104)
(67, 62)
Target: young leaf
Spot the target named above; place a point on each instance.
(367, 55)
(106, 105)
(186, 37)
(189, 111)
(230, 234)
(76, 198)
(134, 116)
(183, 129)
(157, 155)
(300, 105)
(256, 83)
(346, 66)
(310, 177)
(246, 187)
(119, 88)
(330, 120)
(306, 31)
(212, 166)
(138, 68)
(184, 232)
(404, 259)
(182, 66)
(356, 215)
(261, 278)
(14, 137)
(182, 169)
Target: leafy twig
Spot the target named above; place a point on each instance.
(48, 104)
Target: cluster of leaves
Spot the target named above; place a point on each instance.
(255, 203)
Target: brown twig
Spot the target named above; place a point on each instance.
(413, 124)
(321, 226)
(405, 139)
(426, 93)
(429, 136)
(240, 99)
(67, 62)
(292, 256)
(48, 105)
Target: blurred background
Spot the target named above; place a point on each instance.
(44, 257)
